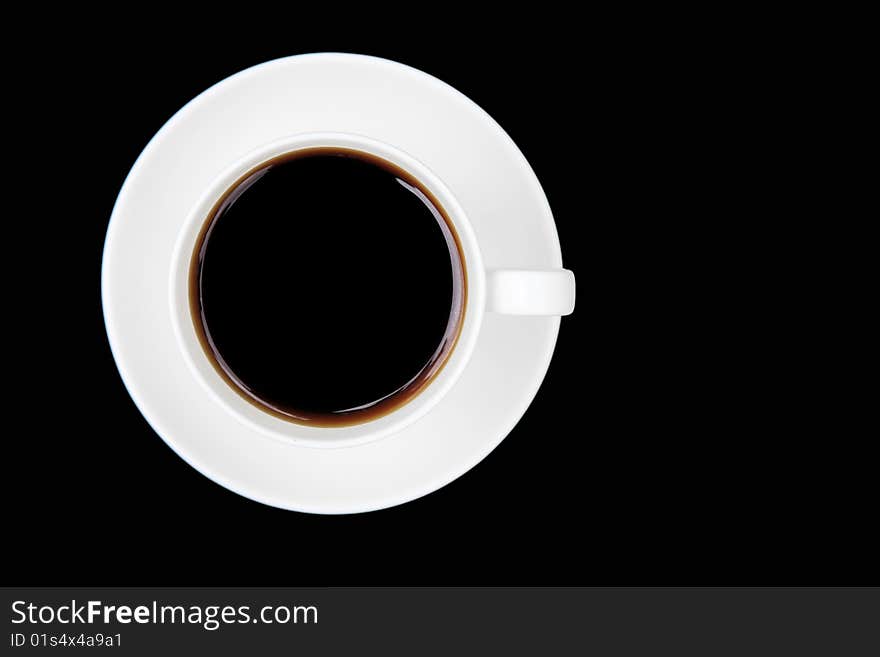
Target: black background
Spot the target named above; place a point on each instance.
(677, 439)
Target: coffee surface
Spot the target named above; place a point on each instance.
(327, 287)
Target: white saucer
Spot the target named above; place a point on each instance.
(386, 101)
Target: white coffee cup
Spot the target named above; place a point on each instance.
(516, 292)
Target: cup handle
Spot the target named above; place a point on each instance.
(530, 292)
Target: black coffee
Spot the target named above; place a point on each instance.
(327, 286)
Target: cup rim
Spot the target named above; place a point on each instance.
(290, 432)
